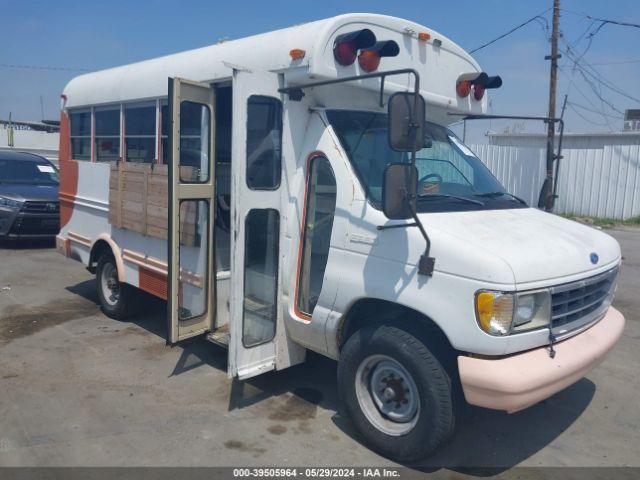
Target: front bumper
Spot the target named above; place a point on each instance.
(17, 224)
(521, 380)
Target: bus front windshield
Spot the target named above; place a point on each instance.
(450, 176)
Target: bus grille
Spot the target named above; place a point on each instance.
(578, 303)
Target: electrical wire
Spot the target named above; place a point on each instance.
(587, 69)
(532, 19)
(39, 67)
(621, 62)
(615, 117)
(604, 124)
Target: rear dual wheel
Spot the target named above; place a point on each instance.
(396, 392)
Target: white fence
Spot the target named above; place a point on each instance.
(600, 182)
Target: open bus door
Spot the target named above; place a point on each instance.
(191, 291)
(255, 250)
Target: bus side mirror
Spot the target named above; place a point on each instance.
(399, 189)
(406, 113)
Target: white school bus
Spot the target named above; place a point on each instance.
(300, 190)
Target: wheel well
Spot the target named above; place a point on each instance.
(372, 311)
(98, 249)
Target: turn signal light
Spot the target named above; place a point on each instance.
(346, 46)
(369, 58)
(424, 36)
(463, 88)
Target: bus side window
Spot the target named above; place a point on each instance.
(80, 135)
(318, 223)
(140, 133)
(107, 136)
(264, 142)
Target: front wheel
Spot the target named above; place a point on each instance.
(396, 393)
(115, 297)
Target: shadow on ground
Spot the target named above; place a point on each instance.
(486, 442)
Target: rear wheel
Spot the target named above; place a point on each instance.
(396, 393)
(115, 296)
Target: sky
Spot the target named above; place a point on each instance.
(73, 34)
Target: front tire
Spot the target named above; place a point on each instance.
(396, 392)
(115, 296)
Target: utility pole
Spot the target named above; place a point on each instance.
(546, 196)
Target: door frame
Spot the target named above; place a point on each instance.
(180, 90)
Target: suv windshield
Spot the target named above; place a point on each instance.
(450, 176)
(27, 171)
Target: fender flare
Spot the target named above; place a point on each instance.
(115, 250)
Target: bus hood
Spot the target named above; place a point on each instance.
(535, 245)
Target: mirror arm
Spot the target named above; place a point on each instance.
(426, 264)
(397, 225)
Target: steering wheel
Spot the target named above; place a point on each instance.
(438, 178)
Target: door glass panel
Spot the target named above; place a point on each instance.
(320, 209)
(262, 233)
(195, 127)
(264, 142)
(194, 241)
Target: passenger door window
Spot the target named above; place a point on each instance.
(264, 142)
(318, 223)
(262, 237)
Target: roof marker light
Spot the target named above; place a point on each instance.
(297, 53)
(346, 46)
(423, 36)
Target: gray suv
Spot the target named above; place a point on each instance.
(29, 205)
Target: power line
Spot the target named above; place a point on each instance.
(40, 67)
(621, 62)
(586, 69)
(615, 117)
(532, 19)
(613, 22)
(604, 124)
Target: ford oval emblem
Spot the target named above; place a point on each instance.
(594, 257)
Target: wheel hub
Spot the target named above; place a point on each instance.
(387, 394)
(110, 284)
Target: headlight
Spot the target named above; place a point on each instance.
(501, 313)
(9, 202)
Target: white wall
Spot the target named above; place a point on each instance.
(597, 182)
(40, 143)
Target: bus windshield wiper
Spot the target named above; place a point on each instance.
(456, 197)
(497, 194)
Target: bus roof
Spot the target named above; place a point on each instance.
(439, 61)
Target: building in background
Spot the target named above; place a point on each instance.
(570, 140)
(599, 174)
(632, 120)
